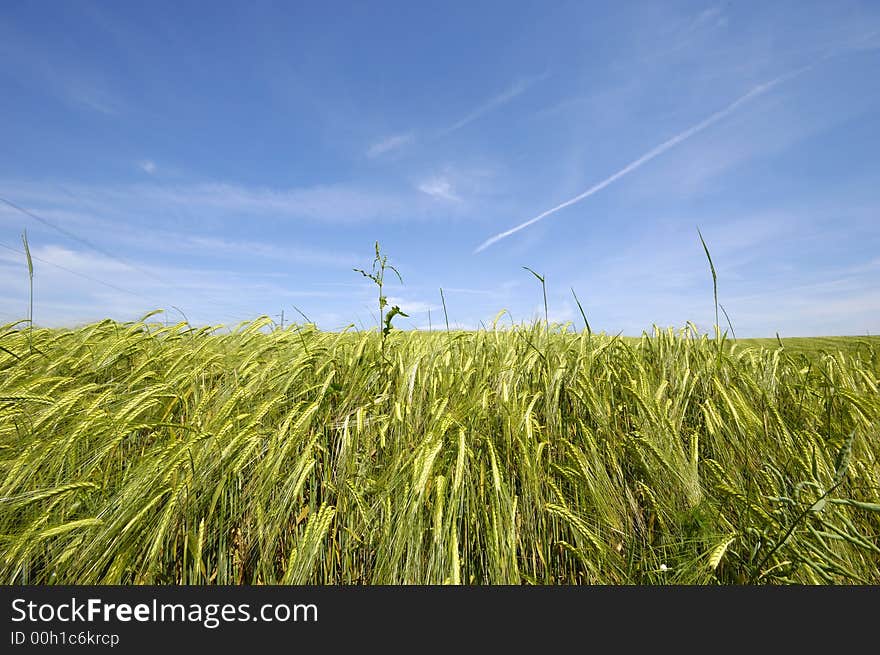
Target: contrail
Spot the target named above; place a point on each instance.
(659, 150)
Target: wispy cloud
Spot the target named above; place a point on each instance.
(710, 14)
(76, 285)
(147, 166)
(217, 201)
(413, 306)
(261, 250)
(769, 277)
(492, 293)
(92, 94)
(389, 144)
(846, 308)
(58, 70)
(169, 241)
(648, 156)
(438, 187)
(82, 261)
(516, 89)
(397, 142)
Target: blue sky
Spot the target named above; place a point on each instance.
(236, 160)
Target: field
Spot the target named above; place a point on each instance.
(143, 453)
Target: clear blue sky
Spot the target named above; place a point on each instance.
(239, 159)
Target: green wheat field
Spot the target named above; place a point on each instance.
(145, 453)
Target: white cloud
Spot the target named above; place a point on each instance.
(516, 89)
(155, 240)
(560, 311)
(52, 65)
(438, 187)
(91, 94)
(77, 286)
(399, 141)
(469, 291)
(646, 157)
(82, 261)
(147, 166)
(256, 249)
(394, 142)
(413, 306)
(216, 202)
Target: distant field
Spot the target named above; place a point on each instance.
(810, 346)
(819, 345)
(135, 453)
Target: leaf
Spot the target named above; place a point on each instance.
(533, 273)
(394, 311)
(396, 272)
(583, 315)
(9, 352)
(871, 507)
(714, 275)
(365, 274)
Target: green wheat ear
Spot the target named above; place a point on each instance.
(841, 464)
(718, 552)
